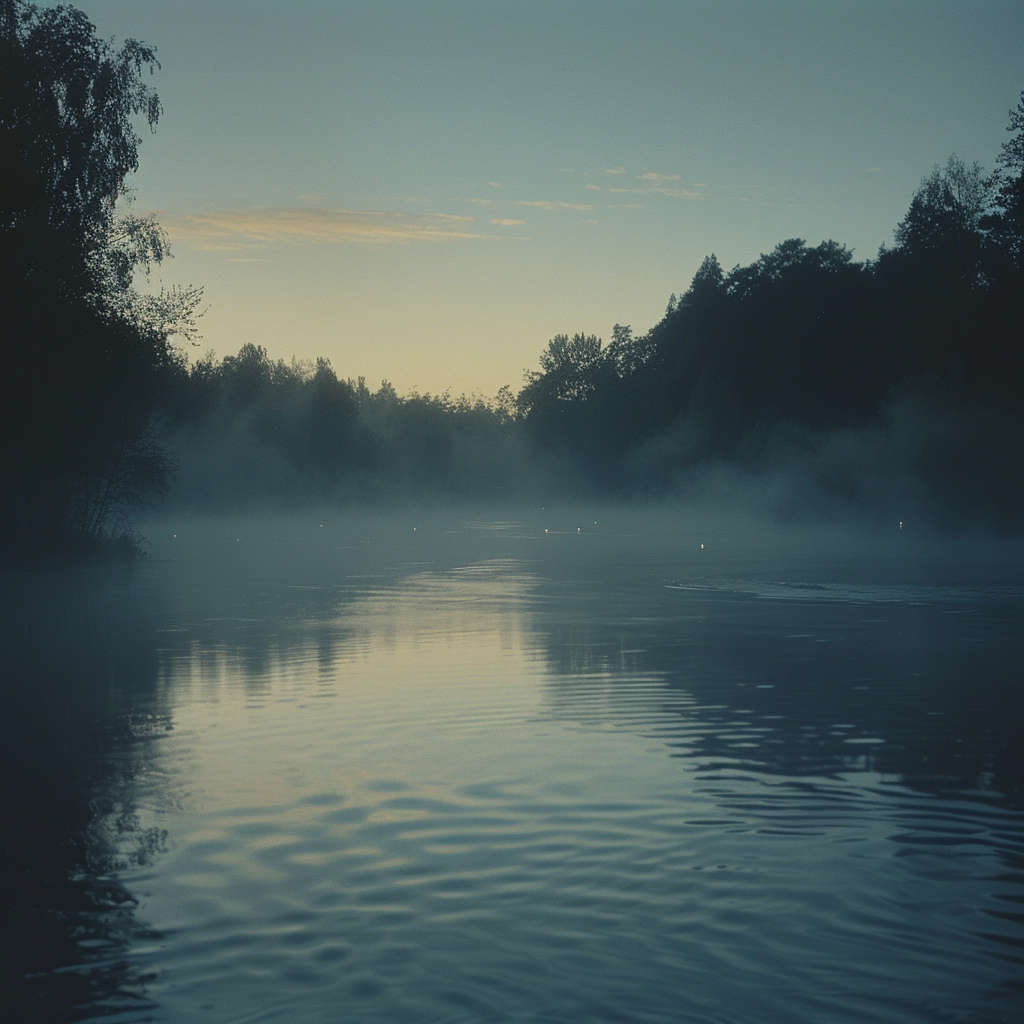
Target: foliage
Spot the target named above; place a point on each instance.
(87, 354)
(807, 339)
(247, 429)
(943, 226)
(1007, 227)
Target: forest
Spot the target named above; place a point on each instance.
(805, 383)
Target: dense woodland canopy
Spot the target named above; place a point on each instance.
(830, 384)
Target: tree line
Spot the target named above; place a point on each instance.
(808, 335)
(247, 429)
(806, 338)
(902, 373)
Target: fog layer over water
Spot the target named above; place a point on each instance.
(554, 766)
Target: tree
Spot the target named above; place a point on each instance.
(943, 228)
(85, 353)
(570, 371)
(69, 142)
(1008, 225)
(708, 280)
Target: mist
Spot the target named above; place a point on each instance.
(947, 466)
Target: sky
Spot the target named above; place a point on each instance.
(427, 192)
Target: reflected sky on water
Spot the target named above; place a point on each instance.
(465, 769)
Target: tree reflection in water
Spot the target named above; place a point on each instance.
(81, 714)
(924, 691)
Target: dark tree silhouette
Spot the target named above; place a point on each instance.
(917, 353)
(85, 353)
(1008, 225)
(944, 222)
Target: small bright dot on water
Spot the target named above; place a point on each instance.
(414, 529)
(901, 524)
(577, 529)
(545, 530)
(702, 547)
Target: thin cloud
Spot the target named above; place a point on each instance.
(233, 230)
(657, 184)
(509, 223)
(677, 193)
(545, 204)
(652, 183)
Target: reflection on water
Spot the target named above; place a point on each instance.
(80, 726)
(483, 772)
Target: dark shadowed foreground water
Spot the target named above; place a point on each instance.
(477, 771)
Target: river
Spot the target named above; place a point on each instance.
(549, 767)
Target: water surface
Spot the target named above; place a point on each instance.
(536, 769)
